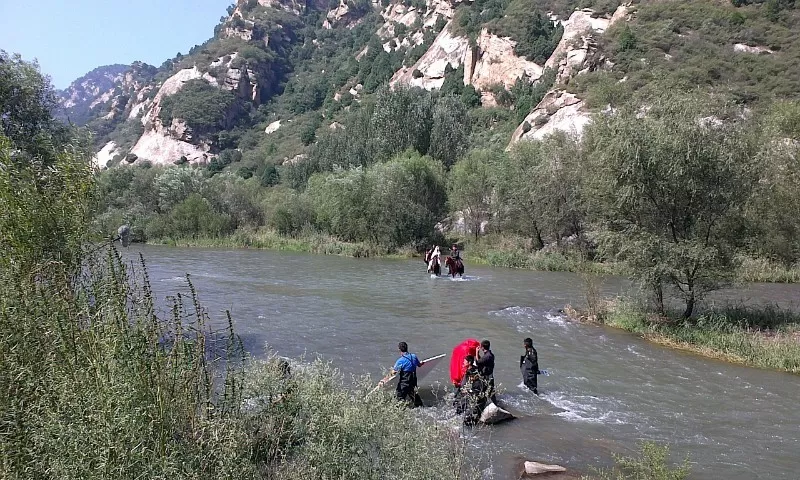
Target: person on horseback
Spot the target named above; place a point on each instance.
(455, 253)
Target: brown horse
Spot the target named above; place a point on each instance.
(454, 266)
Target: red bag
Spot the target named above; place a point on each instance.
(457, 367)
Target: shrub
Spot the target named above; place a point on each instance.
(202, 106)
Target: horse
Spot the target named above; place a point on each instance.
(454, 266)
(435, 266)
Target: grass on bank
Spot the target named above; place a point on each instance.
(764, 337)
(650, 463)
(493, 250)
(96, 384)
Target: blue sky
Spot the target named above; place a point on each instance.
(71, 37)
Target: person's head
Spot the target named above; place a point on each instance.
(454, 246)
(485, 344)
(469, 359)
(528, 343)
(403, 347)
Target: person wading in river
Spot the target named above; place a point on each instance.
(529, 365)
(485, 364)
(406, 369)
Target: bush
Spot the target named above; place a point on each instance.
(202, 106)
(651, 464)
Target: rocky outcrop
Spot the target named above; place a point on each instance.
(491, 61)
(494, 62)
(446, 50)
(342, 16)
(743, 48)
(273, 127)
(575, 54)
(159, 146)
(493, 414)
(108, 152)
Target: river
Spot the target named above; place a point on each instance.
(607, 388)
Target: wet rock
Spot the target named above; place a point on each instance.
(493, 414)
(536, 468)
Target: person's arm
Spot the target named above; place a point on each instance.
(416, 360)
(396, 367)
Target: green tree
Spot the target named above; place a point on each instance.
(202, 106)
(669, 182)
(450, 131)
(774, 209)
(470, 188)
(409, 196)
(27, 103)
(539, 189)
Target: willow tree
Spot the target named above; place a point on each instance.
(669, 181)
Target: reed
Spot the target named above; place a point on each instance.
(96, 383)
(759, 336)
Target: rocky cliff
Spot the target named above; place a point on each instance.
(576, 53)
(250, 57)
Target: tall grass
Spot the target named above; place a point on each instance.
(765, 337)
(516, 252)
(307, 241)
(763, 270)
(96, 384)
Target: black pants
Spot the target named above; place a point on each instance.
(530, 381)
(407, 389)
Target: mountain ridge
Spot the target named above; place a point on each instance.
(270, 56)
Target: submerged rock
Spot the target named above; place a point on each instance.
(536, 468)
(493, 414)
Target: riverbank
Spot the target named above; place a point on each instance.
(492, 250)
(762, 337)
(495, 251)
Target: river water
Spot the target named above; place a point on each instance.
(607, 388)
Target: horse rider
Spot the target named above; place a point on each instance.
(455, 254)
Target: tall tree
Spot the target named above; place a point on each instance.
(471, 186)
(451, 129)
(669, 179)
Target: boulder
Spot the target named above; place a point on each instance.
(493, 414)
(536, 468)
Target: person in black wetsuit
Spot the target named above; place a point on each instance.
(406, 369)
(472, 396)
(485, 364)
(529, 365)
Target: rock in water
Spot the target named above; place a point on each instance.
(493, 414)
(535, 468)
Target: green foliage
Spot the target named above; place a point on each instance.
(697, 38)
(669, 189)
(775, 232)
(763, 337)
(525, 95)
(470, 188)
(549, 206)
(27, 103)
(650, 464)
(203, 107)
(391, 204)
(450, 133)
(270, 176)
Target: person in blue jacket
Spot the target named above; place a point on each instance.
(406, 369)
